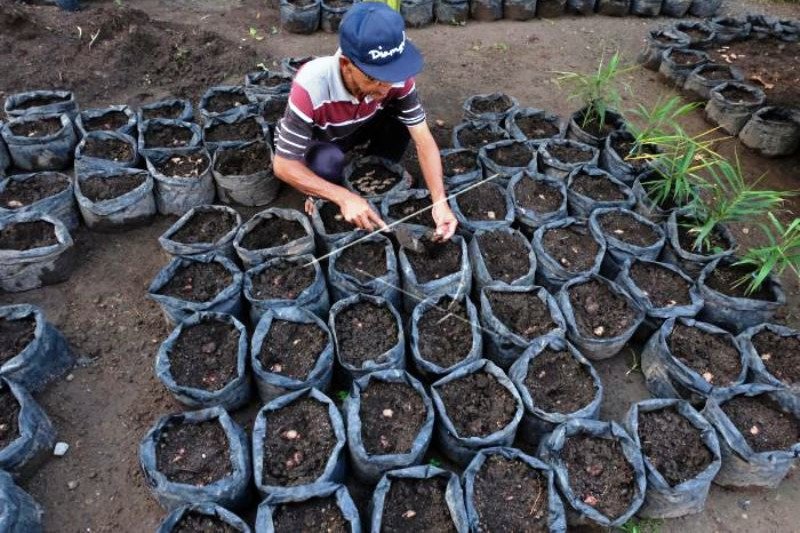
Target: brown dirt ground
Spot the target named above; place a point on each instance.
(187, 46)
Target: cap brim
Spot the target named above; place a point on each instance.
(407, 65)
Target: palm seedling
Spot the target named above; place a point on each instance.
(657, 122)
(782, 252)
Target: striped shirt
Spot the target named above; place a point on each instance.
(321, 109)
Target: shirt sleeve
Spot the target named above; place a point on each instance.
(406, 105)
(294, 131)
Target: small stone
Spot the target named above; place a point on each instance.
(70, 377)
(708, 376)
(619, 231)
(72, 485)
(440, 122)
(590, 500)
(744, 504)
(276, 368)
(409, 514)
(387, 413)
(754, 430)
(13, 204)
(599, 330)
(491, 215)
(766, 357)
(61, 449)
(290, 435)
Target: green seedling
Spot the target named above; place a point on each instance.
(782, 252)
(342, 395)
(647, 525)
(656, 122)
(435, 462)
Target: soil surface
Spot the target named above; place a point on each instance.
(243, 161)
(184, 166)
(483, 203)
(491, 105)
(170, 112)
(36, 128)
(414, 205)
(292, 348)
(476, 136)
(445, 333)
(205, 227)
(317, 514)
(364, 331)
(505, 255)
(625, 227)
(673, 445)
(558, 383)
(9, 417)
(27, 235)
(517, 154)
(573, 247)
(392, 415)
(220, 102)
(524, 313)
(663, 287)
(41, 101)
(274, 107)
(15, 335)
(300, 440)
(364, 261)
(567, 153)
(167, 136)
(200, 523)
(283, 280)
(688, 58)
(599, 312)
(593, 126)
(713, 357)
(686, 239)
(599, 474)
(598, 188)
(110, 121)
(373, 178)
(460, 163)
(272, 232)
(109, 149)
(536, 127)
(244, 130)
(19, 193)
(194, 453)
(726, 279)
(333, 220)
(624, 146)
(735, 95)
(477, 404)
(102, 188)
(198, 282)
(764, 425)
(204, 356)
(779, 355)
(538, 196)
(510, 496)
(417, 505)
(437, 261)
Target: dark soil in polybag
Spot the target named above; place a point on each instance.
(558, 383)
(477, 404)
(316, 514)
(683, 58)
(364, 261)
(623, 145)
(223, 101)
(27, 235)
(417, 505)
(243, 161)
(194, 453)
(474, 137)
(333, 219)
(273, 109)
(726, 279)
(110, 149)
(43, 100)
(373, 178)
(15, 335)
(445, 333)
(282, 280)
(9, 417)
(291, 349)
(205, 226)
(510, 496)
(364, 331)
(505, 255)
(413, 205)
(736, 95)
(438, 260)
(593, 126)
(483, 203)
(673, 445)
(662, 286)
(205, 355)
(36, 128)
(247, 130)
(536, 127)
(111, 121)
(167, 135)
(21, 193)
(716, 242)
(192, 522)
(171, 112)
(574, 249)
(481, 106)
(271, 232)
(763, 424)
(537, 196)
(184, 166)
(597, 188)
(781, 355)
(626, 228)
(391, 416)
(198, 282)
(599, 312)
(459, 163)
(516, 154)
(712, 356)
(101, 188)
(300, 439)
(524, 313)
(569, 154)
(599, 474)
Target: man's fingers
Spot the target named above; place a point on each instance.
(364, 222)
(373, 217)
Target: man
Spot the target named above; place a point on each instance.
(364, 92)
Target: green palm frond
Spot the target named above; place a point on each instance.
(782, 252)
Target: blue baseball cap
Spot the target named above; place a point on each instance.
(372, 35)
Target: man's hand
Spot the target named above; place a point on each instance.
(359, 212)
(446, 222)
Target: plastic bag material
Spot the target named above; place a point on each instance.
(60, 205)
(470, 107)
(705, 8)
(257, 189)
(5, 158)
(231, 491)
(759, 371)
(481, 275)
(676, 72)
(176, 310)
(556, 518)
(732, 115)
(175, 195)
(472, 225)
(772, 131)
(335, 464)
(24, 104)
(185, 111)
(675, 8)
(132, 209)
(300, 19)
(693, 29)
(582, 206)
(581, 7)
(222, 246)
(344, 502)
(646, 8)
(550, 452)
(290, 65)
(741, 466)
(486, 10)
(403, 183)
(23, 270)
(549, 272)
(557, 169)
(618, 250)
(699, 83)
(503, 345)
(668, 377)
(49, 152)
(550, 8)
(301, 246)
(536, 422)
(657, 41)
(417, 13)
(331, 16)
(642, 297)
(85, 163)
(398, 197)
(516, 132)
(241, 108)
(762, 26)
(529, 218)
(145, 149)
(492, 167)
(730, 29)
(265, 82)
(35, 436)
(451, 11)
(46, 358)
(233, 118)
(272, 385)
(494, 128)
(368, 467)
(208, 509)
(393, 358)
(343, 285)
(613, 8)
(734, 313)
(21, 513)
(453, 495)
(428, 369)
(457, 283)
(233, 395)
(575, 130)
(597, 348)
(314, 297)
(129, 128)
(519, 9)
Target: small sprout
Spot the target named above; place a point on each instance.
(342, 395)
(435, 462)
